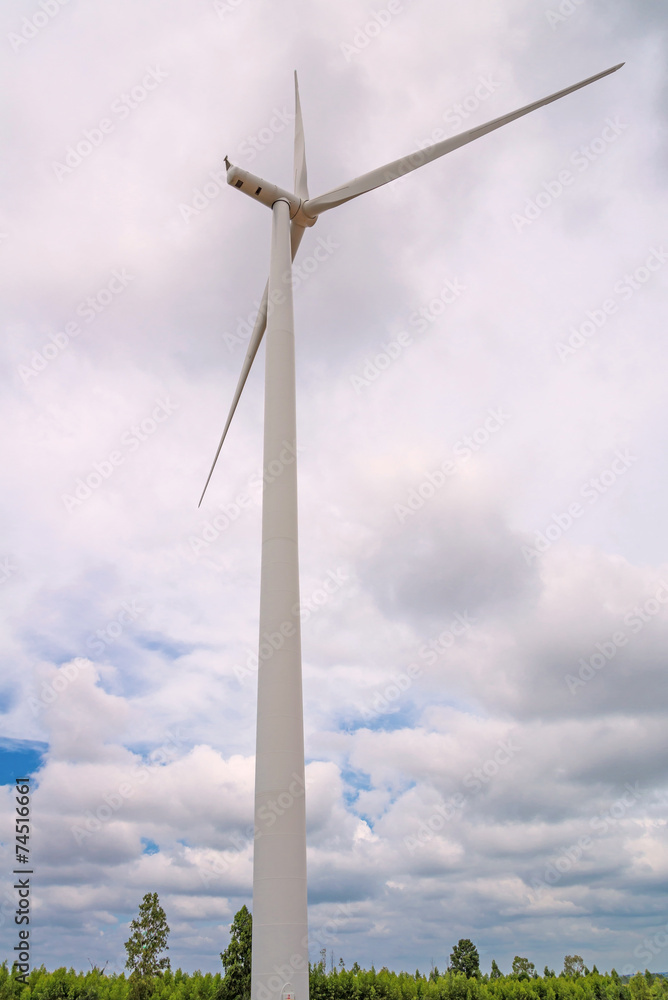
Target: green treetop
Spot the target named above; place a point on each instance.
(145, 944)
(523, 968)
(464, 958)
(237, 958)
(574, 965)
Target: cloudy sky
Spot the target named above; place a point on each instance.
(482, 433)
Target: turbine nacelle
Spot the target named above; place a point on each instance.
(267, 193)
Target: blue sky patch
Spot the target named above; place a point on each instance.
(404, 718)
(20, 758)
(172, 650)
(359, 780)
(7, 699)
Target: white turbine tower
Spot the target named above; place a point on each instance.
(280, 933)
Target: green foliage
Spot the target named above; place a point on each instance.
(496, 971)
(639, 987)
(338, 983)
(464, 958)
(237, 958)
(144, 946)
(523, 968)
(573, 965)
(94, 985)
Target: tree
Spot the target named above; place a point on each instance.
(573, 965)
(496, 971)
(523, 968)
(464, 958)
(237, 958)
(548, 973)
(638, 987)
(147, 941)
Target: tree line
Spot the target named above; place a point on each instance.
(150, 976)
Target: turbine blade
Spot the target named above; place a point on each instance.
(255, 340)
(301, 181)
(391, 171)
(296, 233)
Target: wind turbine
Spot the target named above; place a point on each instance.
(280, 931)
